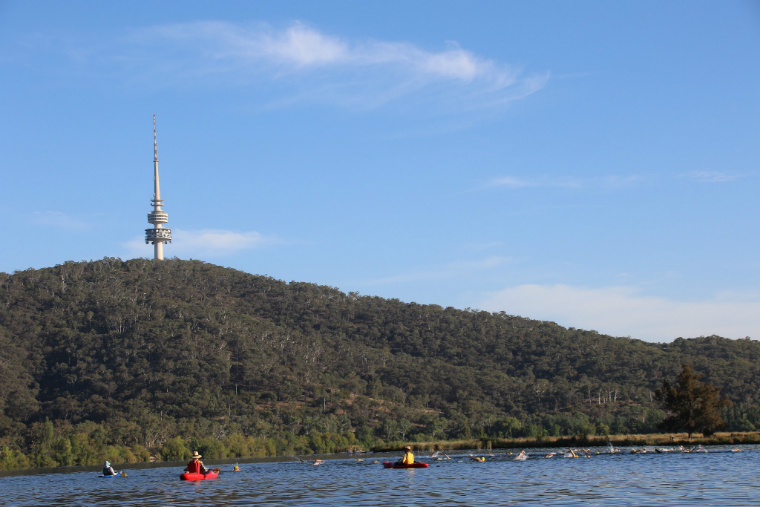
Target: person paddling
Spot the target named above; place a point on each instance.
(108, 469)
(408, 458)
(196, 466)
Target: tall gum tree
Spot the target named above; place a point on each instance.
(692, 405)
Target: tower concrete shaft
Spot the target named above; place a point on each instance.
(158, 235)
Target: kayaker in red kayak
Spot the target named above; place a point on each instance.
(408, 458)
(196, 466)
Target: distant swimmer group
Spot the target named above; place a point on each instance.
(407, 460)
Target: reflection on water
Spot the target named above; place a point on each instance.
(675, 479)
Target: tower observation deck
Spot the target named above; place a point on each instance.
(157, 235)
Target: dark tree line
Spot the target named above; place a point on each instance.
(148, 351)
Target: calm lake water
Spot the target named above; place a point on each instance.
(718, 477)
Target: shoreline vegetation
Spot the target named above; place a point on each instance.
(657, 439)
(177, 449)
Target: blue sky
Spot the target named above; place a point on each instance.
(591, 163)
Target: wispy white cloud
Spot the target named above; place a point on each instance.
(59, 220)
(610, 181)
(606, 181)
(204, 243)
(451, 270)
(623, 311)
(300, 46)
(515, 182)
(316, 65)
(711, 176)
(512, 182)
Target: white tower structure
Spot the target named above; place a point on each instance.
(157, 235)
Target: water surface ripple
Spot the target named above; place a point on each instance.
(676, 479)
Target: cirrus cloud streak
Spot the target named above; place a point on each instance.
(315, 64)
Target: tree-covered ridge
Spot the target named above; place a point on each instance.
(165, 348)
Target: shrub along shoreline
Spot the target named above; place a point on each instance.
(657, 439)
(65, 453)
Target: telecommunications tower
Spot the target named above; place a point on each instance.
(157, 235)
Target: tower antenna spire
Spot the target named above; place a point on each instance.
(155, 141)
(157, 235)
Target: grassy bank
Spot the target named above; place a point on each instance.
(656, 439)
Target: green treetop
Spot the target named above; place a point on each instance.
(693, 406)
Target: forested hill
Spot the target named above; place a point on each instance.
(166, 343)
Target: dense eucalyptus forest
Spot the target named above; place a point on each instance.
(141, 359)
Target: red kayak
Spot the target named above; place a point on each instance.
(391, 464)
(198, 477)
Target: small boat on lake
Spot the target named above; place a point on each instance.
(391, 464)
(117, 474)
(187, 476)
